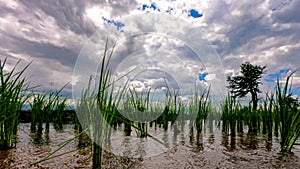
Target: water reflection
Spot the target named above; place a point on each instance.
(47, 137)
(249, 142)
(212, 145)
(232, 142)
(182, 137)
(83, 140)
(128, 149)
(211, 138)
(39, 138)
(199, 143)
(191, 135)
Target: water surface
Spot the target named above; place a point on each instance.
(212, 150)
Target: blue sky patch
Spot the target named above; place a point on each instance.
(118, 24)
(293, 90)
(296, 91)
(195, 14)
(151, 6)
(202, 76)
(144, 7)
(274, 76)
(281, 71)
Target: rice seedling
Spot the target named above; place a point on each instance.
(266, 114)
(172, 109)
(141, 107)
(101, 105)
(158, 107)
(229, 115)
(289, 115)
(88, 114)
(211, 118)
(175, 108)
(181, 117)
(54, 108)
(251, 119)
(37, 107)
(97, 111)
(12, 97)
(47, 107)
(99, 108)
(199, 108)
(240, 119)
(58, 113)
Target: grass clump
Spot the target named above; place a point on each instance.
(287, 109)
(199, 108)
(12, 97)
(47, 107)
(97, 108)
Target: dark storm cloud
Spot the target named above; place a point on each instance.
(33, 49)
(4, 11)
(288, 13)
(242, 27)
(242, 33)
(130, 46)
(68, 14)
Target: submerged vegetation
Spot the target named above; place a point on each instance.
(100, 108)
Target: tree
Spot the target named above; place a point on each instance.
(247, 82)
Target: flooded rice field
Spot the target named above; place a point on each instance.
(212, 150)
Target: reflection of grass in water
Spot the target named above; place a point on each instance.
(12, 88)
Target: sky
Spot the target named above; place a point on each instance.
(53, 33)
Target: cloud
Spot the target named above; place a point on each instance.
(252, 31)
(67, 14)
(286, 12)
(262, 32)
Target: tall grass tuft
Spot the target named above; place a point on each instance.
(60, 107)
(267, 115)
(47, 107)
(12, 88)
(99, 108)
(140, 102)
(229, 115)
(289, 115)
(199, 108)
(37, 106)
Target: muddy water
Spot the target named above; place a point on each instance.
(32, 147)
(213, 150)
